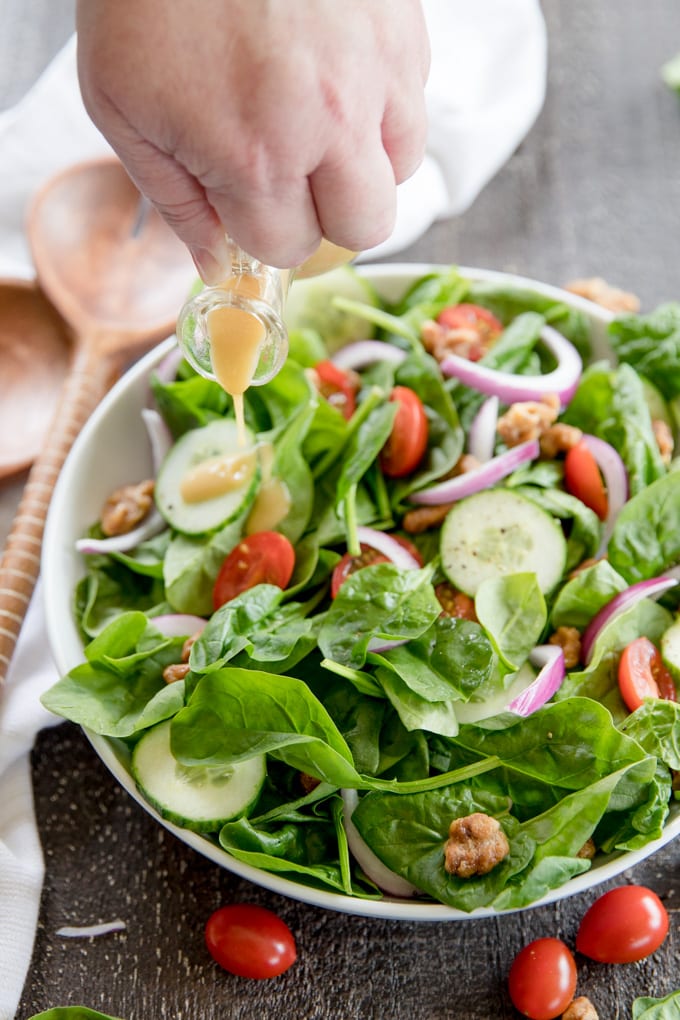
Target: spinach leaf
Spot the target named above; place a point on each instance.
(585, 594)
(668, 1008)
(646, 537)
(656, 727)
(651, 344)
(380, 602)
(189, 403)
(581, 524)
(512, 610)
(72, 1013)
(416, 712)
(192, 565)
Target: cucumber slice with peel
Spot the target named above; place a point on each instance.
(309, 305)
(197, 797)
(217, 439)
(498, 532)
(670, 651)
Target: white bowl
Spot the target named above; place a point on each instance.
(108, 453)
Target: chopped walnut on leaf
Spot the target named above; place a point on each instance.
(476, 844)
(126, 507)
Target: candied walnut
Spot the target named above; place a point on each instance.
(559, 438)
(664, 439)
(189, 644)
(455, 603)
(588, 850)
(471, 342)
(528, 419)
(580, 1009)
(422, 518)
(569, 640)
(602, 293)
(126, 507)
(476, 844)
(308, 783)
(176, 671)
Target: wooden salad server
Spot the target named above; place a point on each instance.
(117, 276)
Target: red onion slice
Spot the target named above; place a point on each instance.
(159, 435)
(615, 479)
(367, 352)
(509, 387)
(152, 525)
(482, 434)
(550, 659)
(479, 478)
(368, 861)
(166, 369)
(651, 588)
(178, 624)
(388, 546)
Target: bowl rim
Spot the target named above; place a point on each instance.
(63, 640)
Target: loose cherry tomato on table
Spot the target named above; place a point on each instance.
(479, 322)
(407, 443)
(583, 479)
(266, 557)
(250, 941)
(642, 674)
(623, 925)
(338, 387)
(542, 979)
(368, 557)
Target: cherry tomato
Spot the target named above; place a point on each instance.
(542, 979)
(266, 557)
(623, 925)
(642, 674)
(583, 479)
(475, 320)
(250, 941)
(338, 387)
(455, 603)
(350, 564)
(407, 442)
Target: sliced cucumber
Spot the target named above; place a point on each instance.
(310, 306)
(217, 439)
(656, 402)
(498, 532)
(195, 797)
(670, 650)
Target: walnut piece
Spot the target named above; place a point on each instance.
(559, 438)
(471, 341)
(580, 1009)
(476, 844)
(594, 288)
(588, 850)
(528, 419)
(664, 439)
(422, 518)
(176, 671)
(126, 507)
(569, 640)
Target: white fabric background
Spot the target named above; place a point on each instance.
(485, 90)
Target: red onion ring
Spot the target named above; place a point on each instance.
(509, 387)
(388, 546)
(482, 434)
(178, 624)
(651, 588)
(550, 658)
(479, 478)
(615, 479)
(362, 353)
(368, 861)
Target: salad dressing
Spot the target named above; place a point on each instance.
(273, 499)
(216, 476)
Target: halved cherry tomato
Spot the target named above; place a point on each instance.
(338, 387)
(623, 925)
(642, 674)
(455, 603)
(250, 941)
(406, 445)
(583, 479)
(542, 979)
(266, 557)
(368, 557)
(475, 319)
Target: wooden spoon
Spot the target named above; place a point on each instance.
(118, 276)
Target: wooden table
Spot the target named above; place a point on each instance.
(595, 189)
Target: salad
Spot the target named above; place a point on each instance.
(441, 662)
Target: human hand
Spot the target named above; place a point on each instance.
(276, 122)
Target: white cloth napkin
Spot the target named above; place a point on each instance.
(485, 90)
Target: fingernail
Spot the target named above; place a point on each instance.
(213, 264)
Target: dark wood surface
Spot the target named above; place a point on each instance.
(594, 189)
